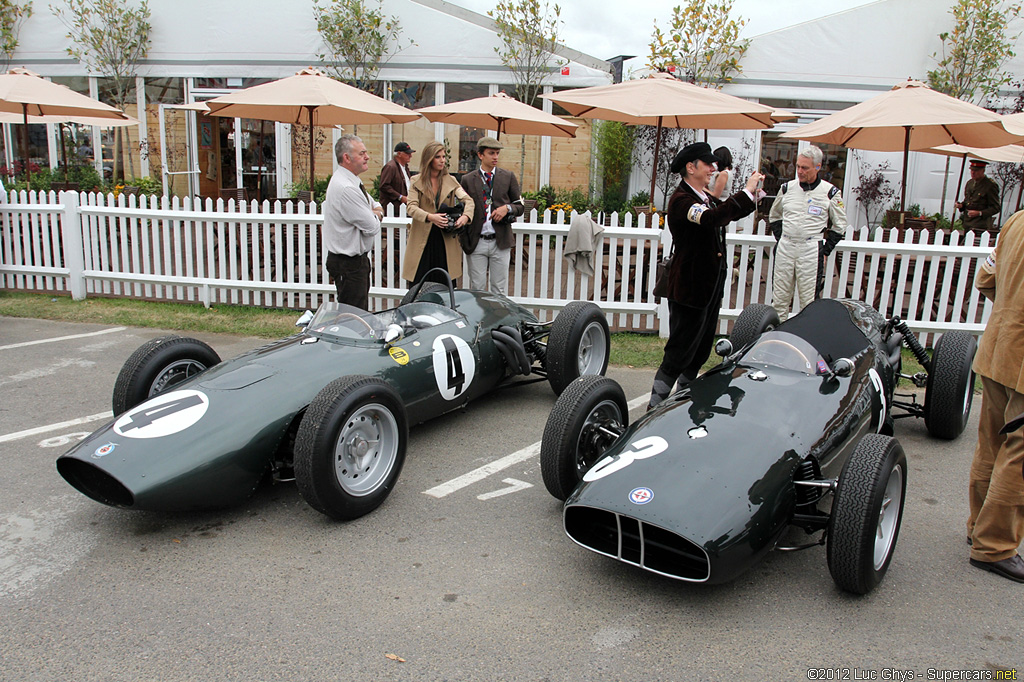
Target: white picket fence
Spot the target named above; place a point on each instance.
(271, 254)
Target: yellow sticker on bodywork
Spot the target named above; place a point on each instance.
(399, 356)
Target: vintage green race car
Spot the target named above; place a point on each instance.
(330, 406)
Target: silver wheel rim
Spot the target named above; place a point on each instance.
(888, 516)
(366, 449)
(593, 349)
(175, 373)
(606, 410)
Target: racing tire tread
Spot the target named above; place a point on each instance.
(564, 342)
(562, 430)
(950, 385)
(753, 321)
(144, 365)
(318, 429)
(855, 513)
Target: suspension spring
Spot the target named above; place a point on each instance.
(912, 343)
(807, 471)
(534, 347)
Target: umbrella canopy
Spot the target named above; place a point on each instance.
(665, 102)
(7, 117)
(310, 98)
(502, 113)
(29, 94)
(1011, 153)
(909, 117)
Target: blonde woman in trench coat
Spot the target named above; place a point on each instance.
(428, 246)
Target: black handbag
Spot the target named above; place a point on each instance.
(661, 274)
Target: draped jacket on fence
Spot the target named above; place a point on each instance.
(421, 204)
(697, 275)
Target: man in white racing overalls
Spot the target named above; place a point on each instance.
(799, 218)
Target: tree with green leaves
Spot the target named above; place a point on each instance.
(969, 65)
(529, 34)
(359, 40)
(528, 30)
(110, 38)
(613, 152)
(12, 16)
(702, 44)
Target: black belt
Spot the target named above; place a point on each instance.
(489, 237)
(345, 255)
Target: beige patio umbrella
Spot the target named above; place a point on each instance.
(502, 113)
(909, 117)
(666, 102)
(29, 94)
(311, 98)
(1011, 153)
(7, 117)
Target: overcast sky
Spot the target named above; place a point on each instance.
(606, 28)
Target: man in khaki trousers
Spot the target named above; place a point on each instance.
(996, 493)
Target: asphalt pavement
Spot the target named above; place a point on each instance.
(463, 574)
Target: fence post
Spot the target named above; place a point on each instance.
(71, 236)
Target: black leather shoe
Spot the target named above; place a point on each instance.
(1012, 568)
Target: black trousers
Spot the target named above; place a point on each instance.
(691, 334)
(351, 278)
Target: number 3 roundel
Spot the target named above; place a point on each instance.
(454, 366)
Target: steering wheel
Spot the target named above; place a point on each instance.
(366, 324)
(415, 290)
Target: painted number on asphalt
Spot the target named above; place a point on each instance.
(60, 441)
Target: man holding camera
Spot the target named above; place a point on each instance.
(497, 203)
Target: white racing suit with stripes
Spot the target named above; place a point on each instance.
(801, 216)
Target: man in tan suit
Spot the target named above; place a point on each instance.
(996, 491)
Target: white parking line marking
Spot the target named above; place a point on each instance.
(17, 435)
(62, 338)
(514, 485)
(505, 462)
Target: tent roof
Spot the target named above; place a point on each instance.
(267, 39)
(849, 56)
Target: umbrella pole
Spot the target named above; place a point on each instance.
(311, 155)
(63, 151)
(956, 196)
(24, 141)
(906, 156)
(654, 171)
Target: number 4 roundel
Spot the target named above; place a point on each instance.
(454, 366)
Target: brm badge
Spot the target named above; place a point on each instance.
(104, 450)
(641, 495)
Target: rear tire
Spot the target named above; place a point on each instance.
(950, 389)
(156, 366)
(350, 447)
(571, 444)
(756, 319)
(578, 345)
(866, 514)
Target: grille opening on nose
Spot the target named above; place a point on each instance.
(632, 541)
(95, 483)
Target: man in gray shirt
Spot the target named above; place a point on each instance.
(351, 224)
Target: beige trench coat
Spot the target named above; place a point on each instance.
(1001, 278)
(421, 204)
